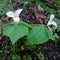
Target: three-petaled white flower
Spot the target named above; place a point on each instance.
(14, 15)
(51, 22)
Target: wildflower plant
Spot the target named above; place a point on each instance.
(36, 34)
(15, 30)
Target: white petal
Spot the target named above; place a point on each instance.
(16, 20)
(49, 23)
(18, 11)
(54, 23)
(10, 14)
(51, 16)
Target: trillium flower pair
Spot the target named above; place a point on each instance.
(14, 15)
(51, 22)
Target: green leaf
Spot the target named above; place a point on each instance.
(15, 31)
(39, 35)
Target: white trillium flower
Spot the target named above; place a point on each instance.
(14, 15)
(51, 22)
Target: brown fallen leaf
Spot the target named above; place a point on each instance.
(39, 15)
(32, 15)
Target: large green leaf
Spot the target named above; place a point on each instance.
(38, 35)
(15, 31)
